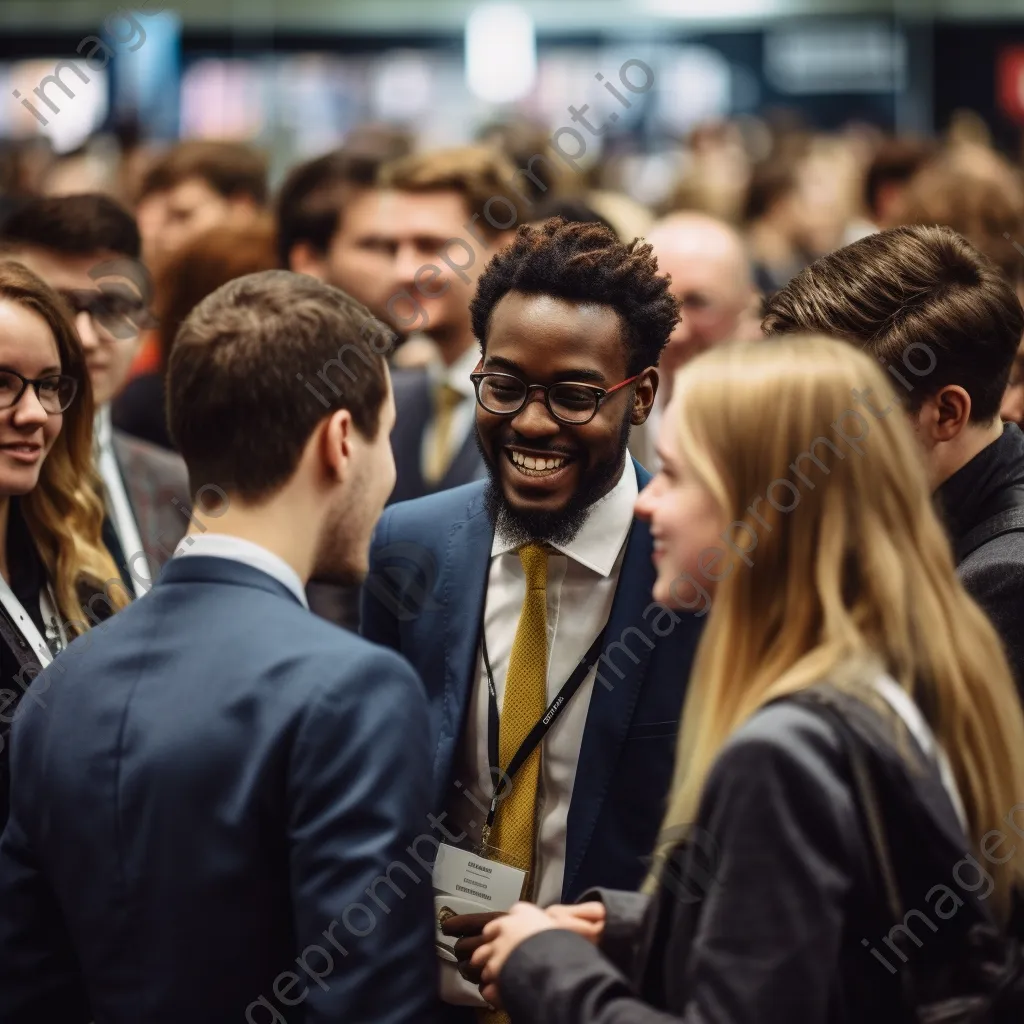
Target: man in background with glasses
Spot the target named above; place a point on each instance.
(87, 248)
(498, 590)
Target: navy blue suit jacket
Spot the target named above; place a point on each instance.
(428, 577)
(211, 793)
(414, 410)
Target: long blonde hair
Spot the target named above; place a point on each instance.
(64, 513)
(850, 568)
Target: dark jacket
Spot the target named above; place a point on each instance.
(771, 913)
(429, 566)
(984, 491)
(413, 412)
(212, 817)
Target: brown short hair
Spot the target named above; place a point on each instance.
(480, 174)
(912, 296)
(895, 163)
(978, 194)
(229, 168)
(239, 406)
(209, 260)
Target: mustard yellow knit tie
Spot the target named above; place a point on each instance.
(515, 828)
(439, 451)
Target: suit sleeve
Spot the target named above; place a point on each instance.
(770, 925)
(359, 838)
(378, 620)
(39, 975)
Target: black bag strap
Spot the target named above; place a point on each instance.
(1008, 521)
(866, 798)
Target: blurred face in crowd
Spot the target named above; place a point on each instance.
(432, 264)
(711, 281)
(356, 262)
(168, 220)
(368, 480)
(27, 430)
(105, 293)
(545, 474)
(684, 517)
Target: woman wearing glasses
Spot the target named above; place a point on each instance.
(52, 560)
(847, 802)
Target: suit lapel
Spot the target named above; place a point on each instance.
(615, 693)
(463, 588)
(466, 465)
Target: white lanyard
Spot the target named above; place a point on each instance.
(24, 624)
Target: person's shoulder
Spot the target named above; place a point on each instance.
(433, 512)
(786, 738)
(346, 667)
(164, 464)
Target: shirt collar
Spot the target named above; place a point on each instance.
(601, 537)
(103, 427)
(223, 545)
(457, 375)
(986, 485)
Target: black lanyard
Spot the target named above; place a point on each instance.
(536, 735)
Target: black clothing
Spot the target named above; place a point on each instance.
(19, 664)
(141, 410)
(993, 574)
(771, 912)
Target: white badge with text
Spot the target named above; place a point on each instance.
(466, 883)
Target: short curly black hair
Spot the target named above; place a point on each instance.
(584, 263)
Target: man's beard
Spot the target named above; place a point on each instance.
(558, 526)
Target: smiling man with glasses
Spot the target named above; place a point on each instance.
(87, 247)
(496, 591)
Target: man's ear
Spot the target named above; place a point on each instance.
(946, 413)
(643, 398)
(304, 259)
(336, 436)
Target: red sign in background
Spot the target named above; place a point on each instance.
(1011, 82)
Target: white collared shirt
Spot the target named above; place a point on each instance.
(224, 545)
(581, 587)
(455, 376)
(119, 508)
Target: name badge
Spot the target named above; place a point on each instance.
(466, 883)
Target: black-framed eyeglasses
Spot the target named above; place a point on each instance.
(55, 392)
(502, 394)
(123, 315)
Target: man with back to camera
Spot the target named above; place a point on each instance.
(206, 806)
(571, 323)
(87, 248)
(946, 324)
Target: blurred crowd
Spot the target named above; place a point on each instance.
(749, 204)
(377, 455)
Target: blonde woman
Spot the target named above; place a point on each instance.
(808, 519)
(53, 565)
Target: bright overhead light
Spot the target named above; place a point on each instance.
(722, 9)
(501, 52)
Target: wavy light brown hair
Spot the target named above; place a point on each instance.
(64, 512)
(854, 578)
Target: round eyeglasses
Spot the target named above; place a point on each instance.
(55, 393)
(574, 404)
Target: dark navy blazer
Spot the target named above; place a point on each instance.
(429, 565)
(207, 787)
(414, 410)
